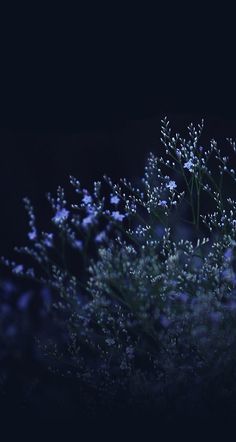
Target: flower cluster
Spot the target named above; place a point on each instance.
(144, 275)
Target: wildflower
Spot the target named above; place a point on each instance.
(162, 203)
(178, 153)
(228, 255)
(61, 216)
(145, 276)
(117, 216)
(171, 185)
(32, 235)
(100, 237)
(77, 244)
(88, 220)
(48, 239)
(189, 165)
(114, 199)
(87, 199)
(18, 269)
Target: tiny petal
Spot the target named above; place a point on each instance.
(32, 235)
(117, 216)
(189, 165)
(61, 216)
(87, 199)
(162, 203)
(18, 269)
(100, 237)
(114, 199)
(171, 185)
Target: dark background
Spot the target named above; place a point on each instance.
(84, 96)
(37, 160)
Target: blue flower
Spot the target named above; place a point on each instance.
(171, 185)
(117, 216)
(32, 235)
(100, 237)
(114, 199)
(18, 269)
(162, 203)
(61, 216)
(77, 244)
(87, 199)
(189, 165)
(48, 239)
(228, 255)
(88, 220)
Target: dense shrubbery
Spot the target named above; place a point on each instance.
(143, 278)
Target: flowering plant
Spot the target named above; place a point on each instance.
(143, 276)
